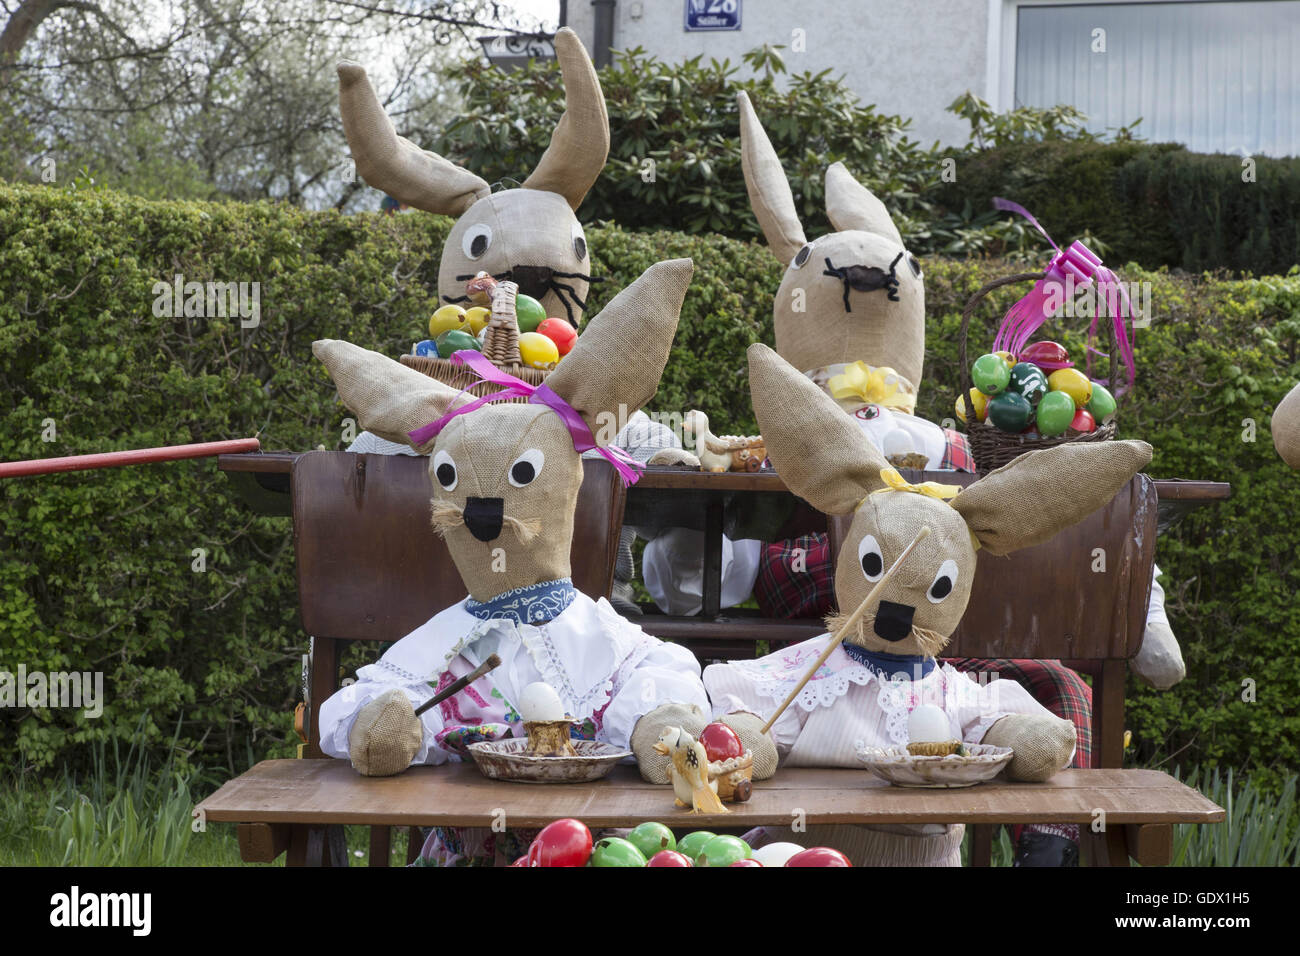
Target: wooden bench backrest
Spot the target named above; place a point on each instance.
(371, 568)
(1048, 602)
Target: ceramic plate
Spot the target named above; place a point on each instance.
(901, 768)
(507, 760)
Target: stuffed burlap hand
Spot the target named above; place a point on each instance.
(749, 728)
(654, 766)
(385, 736)
(1042, 744)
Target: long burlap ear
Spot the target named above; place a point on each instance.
(616, 366)
(851, 205)
(394, 164)
(819, 452)
(388, 398)
(769, 190)
(580, 144)
(1014, 507)
(1286, 428)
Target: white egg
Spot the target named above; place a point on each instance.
(928, 724)
(898, 442)
(539, 701)
(775, 854)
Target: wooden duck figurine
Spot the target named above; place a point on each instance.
(714, 454)
(690, 771)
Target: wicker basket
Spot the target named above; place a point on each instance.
(992, 447)
(500, 346)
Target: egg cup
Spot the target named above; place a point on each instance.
(934, 748)
(550, 738)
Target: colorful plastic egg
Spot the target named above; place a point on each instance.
(979, 401)
(669, 858)
(990, 374)
(691, 844)
(720, 742)
(1046, 355)
(1083, 423)
(1010, 412)
(1055, 412)
(528, 313)
(537, 350)
(652, 838)
(559, 331)
(1029, 381)
(446, 319)
(1007, 357)
(615, 851)
(1102, 403)
(451, 342)
(819, 856)
(428, 348)
(1073, 382)
(477, 318)
(723, 851)
(776, 854)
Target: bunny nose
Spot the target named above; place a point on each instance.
(893, 621)
(533, 280)
(483, 517)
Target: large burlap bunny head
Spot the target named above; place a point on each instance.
(528, 235)
(853, 295)
(506, 476)
(1286, 428)
(822, 456)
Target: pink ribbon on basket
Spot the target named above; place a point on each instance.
(628, 468)
(1081, 263)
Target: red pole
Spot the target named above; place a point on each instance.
(135, 456)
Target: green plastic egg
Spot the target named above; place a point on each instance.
(1009, 411)
(990, 374)
(652, 838)
(1028, 380)
(723, 851)
(1102, 403)
(615, 851)
(1055, 412)
(691, 844)
(455, 340)
(528, 313)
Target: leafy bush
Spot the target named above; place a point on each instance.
(97, 568)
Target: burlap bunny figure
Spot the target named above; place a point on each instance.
(856, 700)
(528, 235)
(1286, 428)
(505, 480)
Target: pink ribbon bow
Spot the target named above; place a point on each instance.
(1024, 318)
(627, 467)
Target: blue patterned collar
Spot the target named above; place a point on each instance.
(911, 666)
(532, 604)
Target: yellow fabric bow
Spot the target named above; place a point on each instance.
(931, 489)
(878, 386)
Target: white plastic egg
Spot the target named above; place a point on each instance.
(775, 854)
(539, 701)
(928, 725)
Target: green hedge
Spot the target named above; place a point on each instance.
(96, 568)
(1154, 204)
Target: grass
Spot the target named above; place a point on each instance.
(126, 812)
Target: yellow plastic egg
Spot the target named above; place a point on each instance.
(1073, 382)
(979, 400)
(537, 350)
(477, 318)
(446, 319)
(1007, 357)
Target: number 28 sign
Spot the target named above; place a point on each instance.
(712, 15)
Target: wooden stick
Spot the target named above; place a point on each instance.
(133, 456)
(848, 625)
(492, 663)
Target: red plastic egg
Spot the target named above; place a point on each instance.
(720, 742)
(819, 856)
(562, 843)
(1083, 422)
(750, 862)
(670, 858)
(1046, 355)
(560, 332)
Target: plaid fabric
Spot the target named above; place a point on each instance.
(957, 456)
(796, 578)
(1061, 690)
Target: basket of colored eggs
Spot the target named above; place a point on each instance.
(510, 329)
(1036, 399)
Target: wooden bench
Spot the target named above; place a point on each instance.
(371, 569)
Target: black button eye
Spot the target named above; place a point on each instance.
(870, 557)
(943, 582)
(478, 245)
(913, 265)
(802, 255)
(872, 564)
(580, 247)
(444, 469)
(477, 240)
(941, 588)
(526, 467)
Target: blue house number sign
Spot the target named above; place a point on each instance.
(712, 15)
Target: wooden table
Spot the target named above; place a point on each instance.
(287, 804)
